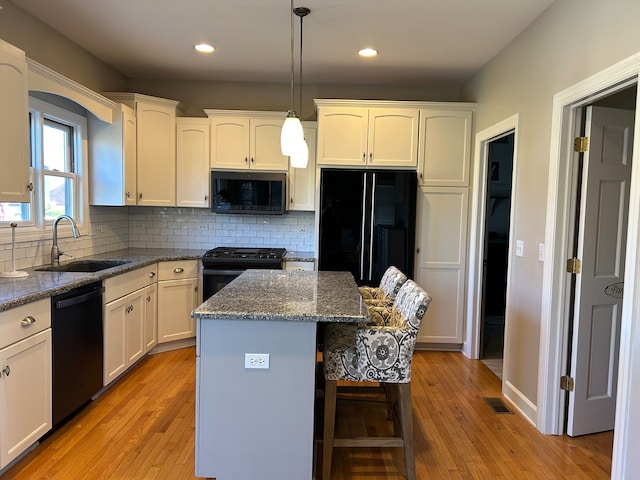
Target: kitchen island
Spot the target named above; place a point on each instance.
(255, 371)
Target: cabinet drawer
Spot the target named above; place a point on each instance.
(12, 328)
(151, 273)
(177, 269)
(121, 285)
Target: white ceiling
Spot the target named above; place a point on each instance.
(421, 42)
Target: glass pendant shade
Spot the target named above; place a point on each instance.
(300, 156)
(291, 134)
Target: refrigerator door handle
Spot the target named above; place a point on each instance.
(364, 197)
(373, 209)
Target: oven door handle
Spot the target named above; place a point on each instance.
(208, 271)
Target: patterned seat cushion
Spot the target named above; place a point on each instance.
(381, 352)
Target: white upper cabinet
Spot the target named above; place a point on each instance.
(192, 142)
(242, 140)
(364, 136)
(302, 181)
(112, 159)
(444, 156)
(14, 125)
(155, 147)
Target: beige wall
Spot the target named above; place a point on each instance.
(197, 95)
(572, 40)
(46, 46)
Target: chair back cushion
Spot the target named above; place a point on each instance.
(378, 353)
(392, 281)
(385, 293)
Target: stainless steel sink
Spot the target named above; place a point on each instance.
(82, 266)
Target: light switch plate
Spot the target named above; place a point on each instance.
(519, 248)
(541, 252)
(256, 360)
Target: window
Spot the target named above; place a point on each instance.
(58, 160)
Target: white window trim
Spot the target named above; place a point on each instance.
(38, 228)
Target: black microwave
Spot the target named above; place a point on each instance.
(257, 193)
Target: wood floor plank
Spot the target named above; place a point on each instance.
(144, 428)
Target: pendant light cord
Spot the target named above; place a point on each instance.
(300, 77)
(292, 65)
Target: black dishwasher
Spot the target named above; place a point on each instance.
(76, 329)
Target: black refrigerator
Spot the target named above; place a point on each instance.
(367, 222)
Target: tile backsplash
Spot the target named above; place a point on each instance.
(114, 228)
(198, 228)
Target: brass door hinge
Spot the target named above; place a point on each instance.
(581, 144)
(573, 265)
(566, 383)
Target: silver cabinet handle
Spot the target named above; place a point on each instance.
(27, 321)
(6, 370)
(152, 274)
(178, 270)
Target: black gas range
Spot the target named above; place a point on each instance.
(221, 265)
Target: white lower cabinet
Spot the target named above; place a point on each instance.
(123, 334)
(177, 297)
(441, 261)
(25, 378)
(151, 316)
(129, 320)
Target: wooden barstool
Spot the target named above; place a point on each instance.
(375, 353)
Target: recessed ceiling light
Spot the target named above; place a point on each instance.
(204, 48)
(368, 52)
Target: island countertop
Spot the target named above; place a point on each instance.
(287, 295)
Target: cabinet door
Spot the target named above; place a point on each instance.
(441, 258)
(342, 136)
(192, 142)
(112, 159)
(25, 394)
(156, 147)
(176, 300)
(129, 126)
(445, 148)
(151, 316)
(393, 137)
(115, 348)
(135, 326)
(230, 142)
(14, 125)
(302, 181)
(265, 152)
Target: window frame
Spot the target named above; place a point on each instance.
(37, 227)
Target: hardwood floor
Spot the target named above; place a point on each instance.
(143, 428)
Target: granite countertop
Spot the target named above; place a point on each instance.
(296, 256)
(287, 295)
(38, 285)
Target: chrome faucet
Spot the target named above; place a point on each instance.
(55, 251)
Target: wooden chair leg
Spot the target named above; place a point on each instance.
(406, 423)
(330, 389)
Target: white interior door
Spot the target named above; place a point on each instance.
(600, 285)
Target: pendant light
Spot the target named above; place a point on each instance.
(300, 155)
(292, 128)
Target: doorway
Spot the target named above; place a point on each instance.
(600, 191)
(496, 249)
